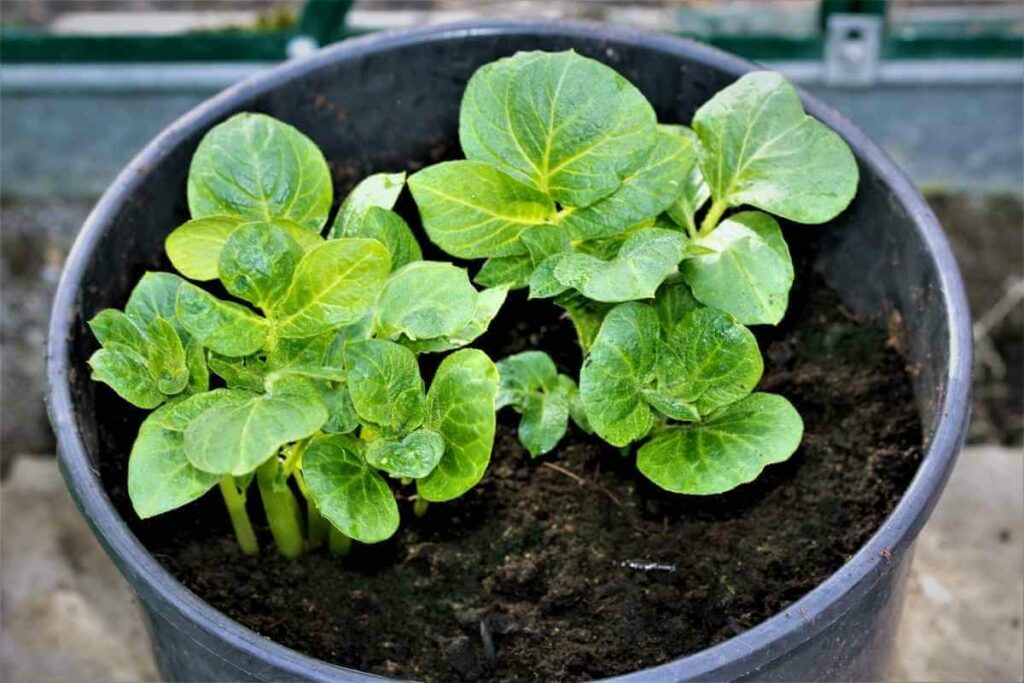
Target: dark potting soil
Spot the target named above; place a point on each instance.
(573, 566)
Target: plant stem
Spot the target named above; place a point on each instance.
(234, 501)
(419, 508)
(317, 528)
(712, 217)
(338, 543)
(282, 510)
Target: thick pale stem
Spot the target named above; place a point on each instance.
(317, 528)
(282, 510)
(419, 508)
(712, 217)
(338, 543)
(234, 501)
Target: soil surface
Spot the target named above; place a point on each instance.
(573, 566)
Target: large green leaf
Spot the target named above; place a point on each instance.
(424, 300)
(566, 125)
(223, 326)
(347, 491)
(644, 193)
(413, 456)
(379, 190)
(385, 385)
(165, 357)
(644, 261)
(388, 228)
(728, 449)
(194, 246)
(620, 364)
(708, 360)
(471, 209)
(255, 166)
(748, 271)
(760, 148)
(529, 382)
(257, 262)
(241, 430)
(125, 370)
(460, 407)
(160, 477)
(335, 284)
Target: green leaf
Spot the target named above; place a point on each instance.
(544, 282)
(341, 414)
(619, 365)
(424, 300)
(388, 228)
(318, 357)
(255, 166)
(111, 326)
(513, 271)
(125, 371)
(257, 262)
(471, 209)
(586, 316)
(694, 195)
(644, 193)
(154, 296)
(385, 385)
(644, 261)
(543, 241)
(378, 190)
(728, 449)
(460, 407)
(671, 406)
(564, 124)
(198, 371)
(488, 303)
(335, 284)
(760, 148)
(160, 477)
(414, 456)
(347, 491)
(673, 301)
(531, 384)
(708, 360)
(241, 430)
(239, 373)
(195, 245)
(748, 272)
(165, 357)
(228, 328)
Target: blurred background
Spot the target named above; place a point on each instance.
(84, 84)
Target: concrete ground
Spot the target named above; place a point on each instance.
(67, 615)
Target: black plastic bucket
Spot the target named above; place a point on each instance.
(392, 100)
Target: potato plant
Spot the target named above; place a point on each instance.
(300, 376)
(571, 188)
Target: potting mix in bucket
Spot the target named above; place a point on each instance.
(324, 367)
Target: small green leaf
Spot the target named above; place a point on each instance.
(471, 209)
(586, 316)
(255, 166)
(198, 371)
(347, 491)
(531, 384)
(317, 357)
(257, 262)
(155, 295)
(566, 125)
(760, 148)
(388, 228)
(544, 282)
(460, 407)
(385, 385)
(125, 371)
(341, 414)
(377, 190)
(543, 241)
(673, 301)
(195, 245)
(111, 326)
(644, 261)
(239, 373)
(222, 326)
(749, 272)
(708, 360)
(242, 430)
(644, 193)
(165, 357)
(160, 477)
(424, 300)
(335, 284)
(672, 406)
(513, 271)
(694, 195)
(620, 364)
(728, 449)
(488, 303)
(414, 456)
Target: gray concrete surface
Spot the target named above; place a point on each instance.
(68, 616)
